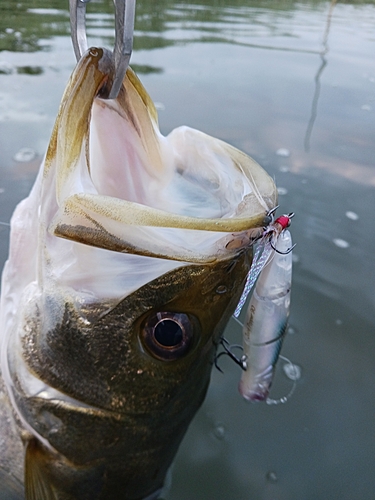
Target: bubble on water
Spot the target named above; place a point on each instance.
(9, 31)
(219, 431)
(286, 398)
(285, 153)
(295, 258)
(366, 107)
(351, 215)
(341, 243)
(271, 476)
(282, 191)
(292, 371)
(291, 330)
(159, 106)
(284, 168)
(24, 155)
(338, 322)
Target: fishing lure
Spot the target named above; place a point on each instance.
(266, 246)
(268, 311)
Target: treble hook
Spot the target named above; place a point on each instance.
(271, 212)
(288, 216)
(124, 30)
(228, 352)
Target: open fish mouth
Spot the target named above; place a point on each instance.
(122, 186)
(111, 181)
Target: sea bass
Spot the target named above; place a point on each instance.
(126, 262)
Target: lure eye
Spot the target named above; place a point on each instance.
(168, 335)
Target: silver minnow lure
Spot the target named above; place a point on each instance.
(266, 320)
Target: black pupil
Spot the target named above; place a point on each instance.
(168, 333)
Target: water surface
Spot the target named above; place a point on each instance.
(293, 85)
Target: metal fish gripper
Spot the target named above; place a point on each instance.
(124, 31)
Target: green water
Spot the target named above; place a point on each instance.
(264, 76)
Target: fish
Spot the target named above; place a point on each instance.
(126, 262)
(267, 315)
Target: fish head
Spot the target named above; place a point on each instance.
(138, 249)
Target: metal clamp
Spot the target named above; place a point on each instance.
(124, 31)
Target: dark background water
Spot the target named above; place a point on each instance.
(265, 76)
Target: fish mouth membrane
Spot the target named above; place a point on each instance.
(121, 185)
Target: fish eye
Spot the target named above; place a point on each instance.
(168, 335)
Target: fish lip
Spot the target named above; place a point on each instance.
(71, 404)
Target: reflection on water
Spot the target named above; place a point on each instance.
(324, 51)
(258, 75)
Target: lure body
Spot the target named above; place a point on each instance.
(266, 320)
